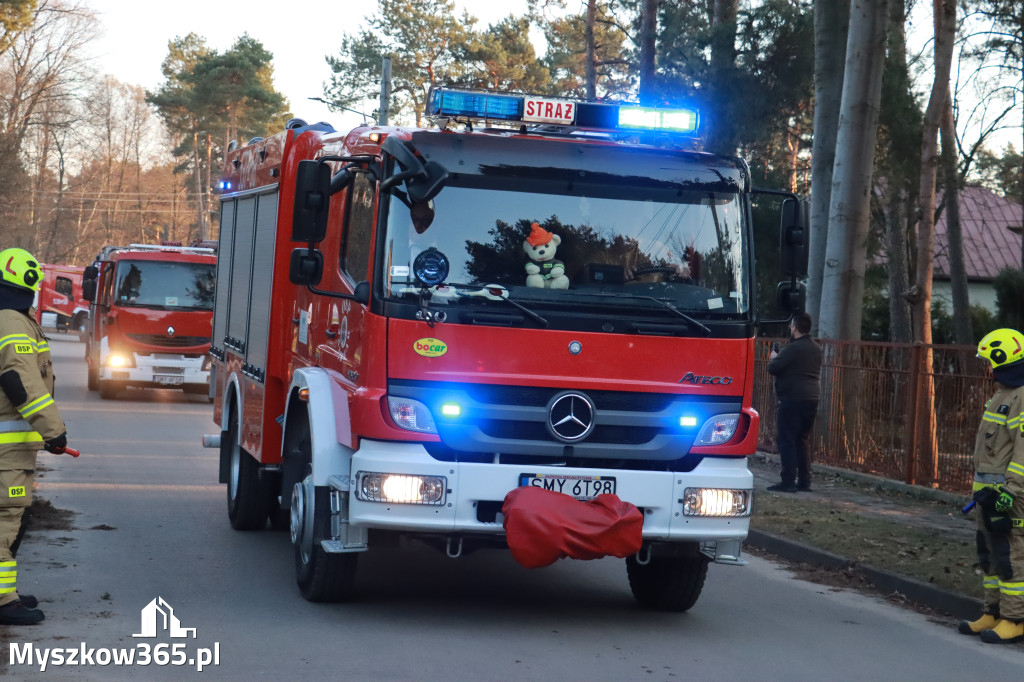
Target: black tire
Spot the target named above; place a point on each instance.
(321, 576)
(108, 389)
(93, 382)
(667, 583)
(247, 492)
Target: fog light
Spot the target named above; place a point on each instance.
(717, 430)
(716, 502)
(401, 488)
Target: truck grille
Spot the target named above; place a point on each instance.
(631, 429)
(170, 341)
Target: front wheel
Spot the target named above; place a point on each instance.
(667, 583)
(108, 389)
(321, 576)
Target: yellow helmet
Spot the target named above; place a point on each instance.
(20, 269)
(1002, 347)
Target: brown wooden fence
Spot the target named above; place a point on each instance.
(870, 395)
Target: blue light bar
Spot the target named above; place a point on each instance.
(569, 114)
(649, 118)
(445, 102)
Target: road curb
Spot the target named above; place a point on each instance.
(956, 605)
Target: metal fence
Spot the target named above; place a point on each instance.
(871, 399)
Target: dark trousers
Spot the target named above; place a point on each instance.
(795, 423)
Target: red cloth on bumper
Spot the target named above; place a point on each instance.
(543, 526)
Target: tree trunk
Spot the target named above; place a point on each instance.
(200, 209)
(591, 67)
(831, 21)
(721, 130)
(963, 331)
(648, 66)
(842, 291)
(945, 26)
(900, 325)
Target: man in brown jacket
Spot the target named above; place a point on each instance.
(29, 419)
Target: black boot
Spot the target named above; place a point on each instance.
(17, 613)
(28, 601)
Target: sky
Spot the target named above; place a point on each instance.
(136, 34)
(134, 42)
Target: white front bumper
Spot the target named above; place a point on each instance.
(659, 494)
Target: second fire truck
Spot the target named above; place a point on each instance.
(151, 318)
(60, 303)
(411, 323)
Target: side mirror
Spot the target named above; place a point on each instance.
(89, 288)
(306, 267)
(362, 292)
(91, 272)
(423, 181)
(791, 297)
(794, 236)
(312, 196)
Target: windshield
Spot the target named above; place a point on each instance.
(160, 284)
(598, 245)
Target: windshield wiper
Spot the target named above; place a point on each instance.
(495, 292)
(449, 290)
(667, 306)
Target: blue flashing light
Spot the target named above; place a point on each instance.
(451, 410)
(650, 118)
(687, 421)
(224, 185)
(475, 105)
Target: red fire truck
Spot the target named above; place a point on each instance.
(60, 304)
(151, 315)
(386, 364)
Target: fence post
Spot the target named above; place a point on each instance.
(914, 411)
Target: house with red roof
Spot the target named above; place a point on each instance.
(992, 237)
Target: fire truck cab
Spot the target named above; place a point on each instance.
(150, 320)
(393, 353)
(60, 304)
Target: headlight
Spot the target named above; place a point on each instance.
(207, 362)
(716, 502)
(120, 360)
(400, 488)
(411, 415)
(717, 430)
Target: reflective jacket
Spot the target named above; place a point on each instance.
(999, 447)
(34, 419)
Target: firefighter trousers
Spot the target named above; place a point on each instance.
(15, 498)
(1001, 558)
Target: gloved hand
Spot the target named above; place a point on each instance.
(1004, 500)
(986, 498)
(57, 445)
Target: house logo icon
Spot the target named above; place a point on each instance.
(158, 615)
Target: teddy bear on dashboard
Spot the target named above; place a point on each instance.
(544, 271)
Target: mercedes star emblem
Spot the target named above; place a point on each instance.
(570, 416)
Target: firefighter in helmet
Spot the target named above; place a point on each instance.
(29, 420)
(999, 492)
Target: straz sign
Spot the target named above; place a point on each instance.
(539, 110)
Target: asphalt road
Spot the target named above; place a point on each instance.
(151, 523)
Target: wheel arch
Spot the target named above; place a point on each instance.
(327, 420)
(231, 397)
